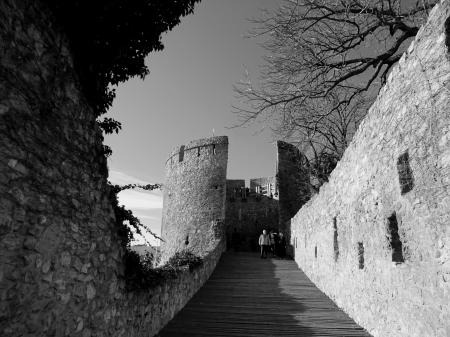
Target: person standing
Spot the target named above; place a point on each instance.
(264, 242)
(272, 242)
(282, 245)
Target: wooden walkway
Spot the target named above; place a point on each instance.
(248, 296)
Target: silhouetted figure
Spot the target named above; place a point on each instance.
(272, 242)
(264, 243)
(276, 246)
(282, 246)
(235, 240)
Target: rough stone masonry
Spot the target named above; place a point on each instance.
(194, 197)
(202, 208)
(61, 266)
(376, 239)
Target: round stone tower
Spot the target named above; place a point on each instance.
(194, 197)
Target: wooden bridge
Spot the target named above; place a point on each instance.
(248, 296)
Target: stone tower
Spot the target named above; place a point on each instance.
(194, 197)
(293, 183)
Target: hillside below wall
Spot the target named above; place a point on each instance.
(345, 236)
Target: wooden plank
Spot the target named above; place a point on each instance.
(248, 296)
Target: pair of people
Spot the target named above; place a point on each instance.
(273, 242)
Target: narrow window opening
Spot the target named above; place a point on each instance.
(295, 242)
(315, 252)
(214, 149)
(395, 242)
(361, 255)
(186, 241)
(405, 176)
(198, 152)
(335, 240)
(181, 154)
(447, 34)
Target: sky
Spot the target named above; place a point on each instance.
(189, 95)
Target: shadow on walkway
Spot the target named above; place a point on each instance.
(249, 296)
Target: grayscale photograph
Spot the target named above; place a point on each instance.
(225, 168)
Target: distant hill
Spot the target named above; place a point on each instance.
(142, 249)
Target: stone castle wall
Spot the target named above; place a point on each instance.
(59, 255)
(194, 196)
(270, 202)
(293, 183)
(61, 266)
(376, 238)
(249, 213)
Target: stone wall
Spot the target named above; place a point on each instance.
(146, 313)
(61, 267)
(376, 238)
(270, 202)
(59, 253)
(249, 213)
(293, 183)
(194, 196)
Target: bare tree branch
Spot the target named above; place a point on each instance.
(325, 62)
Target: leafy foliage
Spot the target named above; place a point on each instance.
(109, 125)
(125, 216)
(185, 258)
(141, 275)
(111, 38)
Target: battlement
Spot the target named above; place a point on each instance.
(198, 149)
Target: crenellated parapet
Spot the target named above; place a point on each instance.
(197, 150)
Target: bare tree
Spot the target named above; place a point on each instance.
(326, 61)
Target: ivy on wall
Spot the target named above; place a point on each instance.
(109, 40)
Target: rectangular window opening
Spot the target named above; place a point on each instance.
(214, 149)
(335, 240)
(198, 152)
(405, 175)
(394, 240)
(315, 252)
(181, 154)
(361, 255)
